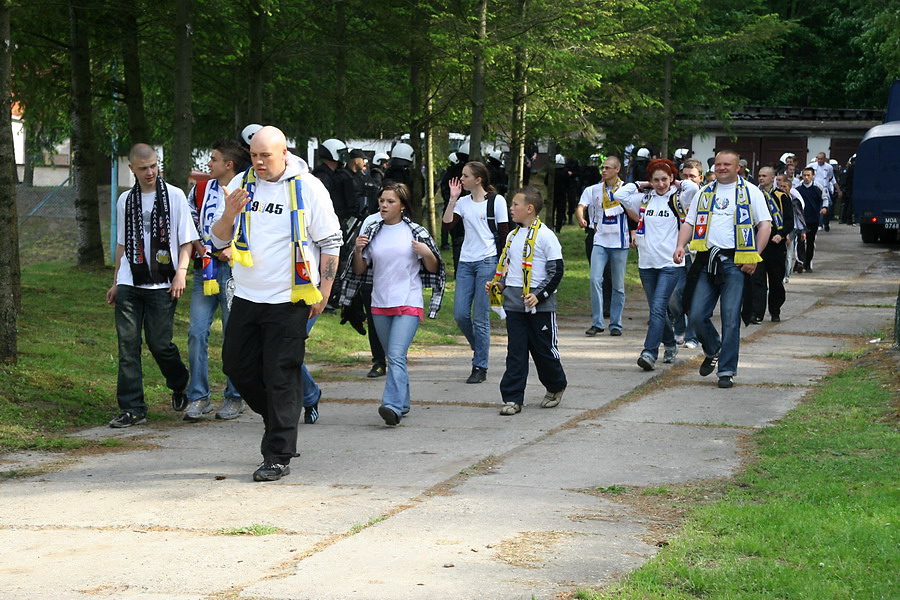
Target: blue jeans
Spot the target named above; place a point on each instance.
(679, 319)
(658, 286)
(396, 334)
(153, 312)
(203, 310)
(617, 258)
(472, 308)
(311, 391)
(729, 293)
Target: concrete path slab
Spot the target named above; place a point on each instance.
(456, 502)
(742, 406)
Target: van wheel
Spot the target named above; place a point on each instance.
(869, 233)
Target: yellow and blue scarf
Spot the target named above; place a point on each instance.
(495, 293)
(774, 210)
(302, 287)
(744, 234)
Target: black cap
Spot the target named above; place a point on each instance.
(357, 153)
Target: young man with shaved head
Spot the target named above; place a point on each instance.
(153, 250)
(285, 241)
(728, 224)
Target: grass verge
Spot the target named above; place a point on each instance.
(816, 516)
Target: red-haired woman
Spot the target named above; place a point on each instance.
(659, 206)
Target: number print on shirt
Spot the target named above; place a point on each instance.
(658, 213)
(271, 207)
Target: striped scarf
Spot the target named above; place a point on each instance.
(156, 266)
(302, 287)
(774, 210)
(209, 203)
(745, 251)
(495, 293)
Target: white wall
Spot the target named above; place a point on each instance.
(703, 147)
(816, 145)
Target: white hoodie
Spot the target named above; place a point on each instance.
(268, 281)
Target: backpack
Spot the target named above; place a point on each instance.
(492, 222)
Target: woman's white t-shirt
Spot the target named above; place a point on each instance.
(395, 268)
(657, 245)
(479, 241)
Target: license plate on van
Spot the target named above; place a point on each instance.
(892, 222)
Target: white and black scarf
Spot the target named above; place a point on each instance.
(157, 265)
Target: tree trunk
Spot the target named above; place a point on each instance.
(180, 165)
(32, 151)
(516, 158)
(418, 79)
(667, 108)
(475, 132)
(340, 72)
(255, 76)
(87, 208)
(429, 174)
(10, 276)
(138, 128)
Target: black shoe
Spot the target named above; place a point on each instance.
(311, 413)
(179, 401)
(592, 331)
(756, 320)
(390, 417)
(270, 471)
(726, 381)
(709, 365)
(126, 419)
(479, 374)
(615, 332)
(776, 319)
(376, 371)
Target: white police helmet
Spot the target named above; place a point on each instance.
(453, 158)
(681, 153)
(404, 151)
(560, 159)
(464, 148)
(380, 157)
(333, 149)
(643, 153)
(249, 131)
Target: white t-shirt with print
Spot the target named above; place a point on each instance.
(546, 248)
(721, 215)
(181, 225)
(479, 241)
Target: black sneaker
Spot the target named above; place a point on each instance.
(376, 371)
(615, 332)
(726, 381)
(126, 419)
(390, 417)
(479, 374)
(270, 471)
(311, 413)
(179, 401)
(593, 330)
(709, 364)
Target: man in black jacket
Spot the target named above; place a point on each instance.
(812, 208)
(768, 279)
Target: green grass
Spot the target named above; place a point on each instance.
(816, 517)
(255, 529)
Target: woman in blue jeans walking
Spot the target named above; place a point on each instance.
(658, 205)
(402, 260)
(483, 226)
